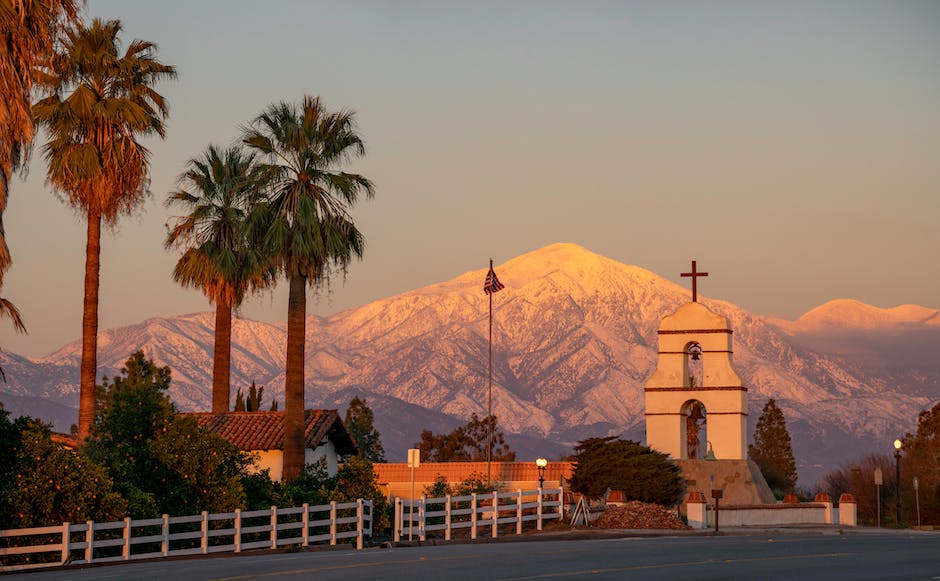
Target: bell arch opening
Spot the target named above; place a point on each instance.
(695, 429)
(693, 365)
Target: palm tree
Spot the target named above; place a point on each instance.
(28, 32)
(98, 103)
(218, 192)
(307, 229)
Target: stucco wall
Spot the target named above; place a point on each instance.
(668, 390)
(274, 459)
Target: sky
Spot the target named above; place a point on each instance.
(791, 148)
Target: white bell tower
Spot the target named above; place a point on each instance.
(695, 383)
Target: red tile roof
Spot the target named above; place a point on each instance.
(265, 430)
(456, 471)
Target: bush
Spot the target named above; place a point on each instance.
(640, 472)
(45, 484)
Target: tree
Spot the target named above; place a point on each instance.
(161, 462)
(360, 423)
(641, 473)
(131, 411)
(921, 458)
(771, 450)
(200, 470)
(356, 479)
(858, 479)
(466, 443)
(305, 224)
(218, 193)
(253, 402)
(98, 103)
(62, 487)
(28, 33)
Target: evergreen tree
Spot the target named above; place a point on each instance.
(772, 451)
(253, 402)
(360, 423)
(638, 471)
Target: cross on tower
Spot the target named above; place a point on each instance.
(694, 274)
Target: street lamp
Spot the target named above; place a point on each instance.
(897, 472)
(541, 463)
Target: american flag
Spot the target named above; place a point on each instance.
(492, 284)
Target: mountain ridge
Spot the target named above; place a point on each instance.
(574, 341)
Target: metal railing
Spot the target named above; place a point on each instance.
(91, 542)
(476, 512)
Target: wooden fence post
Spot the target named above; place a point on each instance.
(359, 514)
(306, 521)
(238, 530)
(519, 513)
(89, 541)
(473, 516)
(447, 518)
(165, 533)
(204, 527)
(422, 517)
(273, 527)
(538, 512)
(495, 514)
(561, 503)
(126, 548)
(332, 522)
(65, 543)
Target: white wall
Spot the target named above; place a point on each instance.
(274, 460)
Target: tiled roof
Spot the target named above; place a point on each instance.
(456, 471)
(265, 430)
(65, 440)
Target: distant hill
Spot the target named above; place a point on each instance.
(574, 341)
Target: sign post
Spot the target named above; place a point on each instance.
(717, 494)
(414, 461)
(879, 480)
(917, 498)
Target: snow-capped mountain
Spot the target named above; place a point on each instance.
(574, 339)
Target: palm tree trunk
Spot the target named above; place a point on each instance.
(222, 358)
(294, 380)
(89, 366)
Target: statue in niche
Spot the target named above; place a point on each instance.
(694, 423)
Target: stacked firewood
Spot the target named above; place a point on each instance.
(639, 515)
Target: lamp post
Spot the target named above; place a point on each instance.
(897, 473)
(541, 463)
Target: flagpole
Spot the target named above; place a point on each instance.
(489, 403)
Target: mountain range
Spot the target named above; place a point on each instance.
(574, 339)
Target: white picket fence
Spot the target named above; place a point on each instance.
(188, 535)
(476, 512)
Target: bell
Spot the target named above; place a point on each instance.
(696, 412)
(695, 350)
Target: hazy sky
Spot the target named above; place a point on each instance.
(792, 148)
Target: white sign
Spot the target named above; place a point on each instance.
(414, 458)
(879, 480)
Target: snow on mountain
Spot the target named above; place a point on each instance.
(841, 314)
(574, 338)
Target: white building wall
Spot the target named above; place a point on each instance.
(273, 460)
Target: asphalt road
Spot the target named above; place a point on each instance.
(787, 555)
